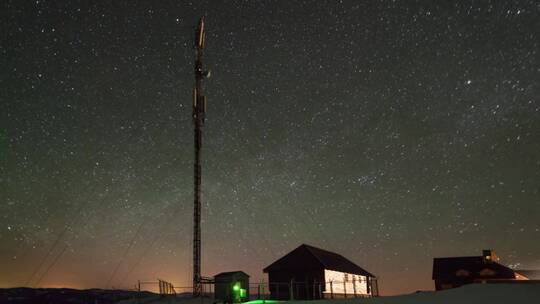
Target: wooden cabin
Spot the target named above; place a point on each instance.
(308, 273)
(454, 272)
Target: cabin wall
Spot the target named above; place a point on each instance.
(341, 283)
(305, 284)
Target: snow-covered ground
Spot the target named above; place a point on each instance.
(477, 294)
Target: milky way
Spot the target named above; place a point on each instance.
(390, 132)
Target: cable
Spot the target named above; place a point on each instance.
(42, 262)
(125, 253)
(62, 252)
(51, 249)
(58, 238)
(51, 265)
(150, 246)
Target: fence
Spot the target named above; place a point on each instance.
(323, 290)
(274, 291)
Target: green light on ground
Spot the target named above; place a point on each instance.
(262, 302)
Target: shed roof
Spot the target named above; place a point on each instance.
(472, 266)
(231, 273)
(307, 257)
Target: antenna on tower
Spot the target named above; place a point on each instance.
(199, 110)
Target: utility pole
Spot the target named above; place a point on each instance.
(199, 110)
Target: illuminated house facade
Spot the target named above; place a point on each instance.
(530, 274)
(308, 273)
(458, 271)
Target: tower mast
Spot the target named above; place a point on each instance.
(199, 109)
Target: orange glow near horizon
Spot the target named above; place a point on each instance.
(64, 279)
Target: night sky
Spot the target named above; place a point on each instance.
(391, 132)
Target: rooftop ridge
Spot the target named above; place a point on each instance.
(309, 248)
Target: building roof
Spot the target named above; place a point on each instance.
(231, 273)
(473, 267)
(307, 257)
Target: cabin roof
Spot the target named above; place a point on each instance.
(306, 257)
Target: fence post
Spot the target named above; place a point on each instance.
(331, 290)
(368, 285)
(345, 289)
(291, 291)
(354, 285)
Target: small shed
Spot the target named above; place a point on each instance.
(232, 286)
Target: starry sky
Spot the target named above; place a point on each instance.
(391, 132)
